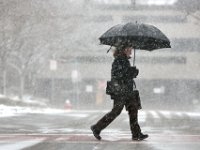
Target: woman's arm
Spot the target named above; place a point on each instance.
(121, 70)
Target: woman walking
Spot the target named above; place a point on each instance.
(122, 75)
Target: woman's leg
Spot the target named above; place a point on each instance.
(134, 126)
(109, 117)
(133, 120)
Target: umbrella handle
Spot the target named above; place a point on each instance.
(134, 57)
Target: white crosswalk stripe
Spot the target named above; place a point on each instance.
(151, 114)
(18, 145)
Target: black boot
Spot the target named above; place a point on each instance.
(95, 133)
(140, 137)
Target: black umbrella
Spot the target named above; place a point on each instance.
(139, 36)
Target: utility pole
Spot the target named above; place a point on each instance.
(53, 68)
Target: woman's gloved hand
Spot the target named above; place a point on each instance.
(133, 72)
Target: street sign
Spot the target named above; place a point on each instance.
(53, 65)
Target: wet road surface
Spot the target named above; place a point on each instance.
(71, 130)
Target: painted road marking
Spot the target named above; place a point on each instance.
(17, 145)
(89, 138)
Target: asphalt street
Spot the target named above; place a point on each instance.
(71, 130)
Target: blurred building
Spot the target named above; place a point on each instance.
(168, 77)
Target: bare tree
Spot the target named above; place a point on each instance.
(191, 8)
(18, 40)
(34, 30)
(5, 40)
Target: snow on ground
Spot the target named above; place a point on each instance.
(6, 111)
(30, 107)
(2, 96)
(12, 106)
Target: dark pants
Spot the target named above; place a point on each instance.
(116, 110)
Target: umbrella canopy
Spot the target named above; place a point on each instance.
(139, 36)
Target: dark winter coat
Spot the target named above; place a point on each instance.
(123, 74)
